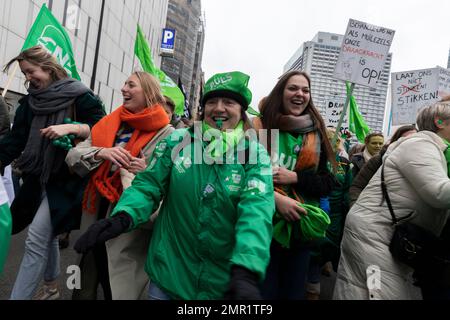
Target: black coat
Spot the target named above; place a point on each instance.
(64, 190)
(366, 172)
(318, 184)
(4, 118)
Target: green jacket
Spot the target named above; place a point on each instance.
(212, 216)
(64, 190)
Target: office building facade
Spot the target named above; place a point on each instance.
(448, 62)
(318, 58)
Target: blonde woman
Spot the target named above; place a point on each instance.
(119, 147)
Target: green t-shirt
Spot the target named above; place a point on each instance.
(314, 225)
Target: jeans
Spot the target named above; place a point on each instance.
(435, 293)
(41, 257)
(94, 267)
(155, 293)
(286, 274)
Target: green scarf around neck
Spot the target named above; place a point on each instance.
(229, 139)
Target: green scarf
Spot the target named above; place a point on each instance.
(216, 148)
(313, 226)
(447, 156)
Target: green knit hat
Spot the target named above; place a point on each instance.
(232, 85)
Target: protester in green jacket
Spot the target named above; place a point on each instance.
(212, 237)
(49, 199)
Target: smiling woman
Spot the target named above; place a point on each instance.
(50, 196)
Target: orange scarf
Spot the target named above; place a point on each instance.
(309, 155)
(145, 123)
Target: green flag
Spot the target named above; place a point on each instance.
(5, 226)
(356, 122)
(49, 33)
(168, 87)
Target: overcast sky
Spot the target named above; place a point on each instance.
(258, 37)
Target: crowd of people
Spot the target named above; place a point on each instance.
(226, 207)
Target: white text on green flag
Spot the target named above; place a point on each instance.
(50, 34)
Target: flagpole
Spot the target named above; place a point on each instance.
(5, 90)
(344, 111)
(390, 123)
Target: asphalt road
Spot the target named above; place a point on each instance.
(69, 257)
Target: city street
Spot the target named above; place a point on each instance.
(69, 257)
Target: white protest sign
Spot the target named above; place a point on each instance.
(443, 82)
(333, 109)
(413, 90)
(363, 52)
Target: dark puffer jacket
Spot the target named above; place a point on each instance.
(361, 180)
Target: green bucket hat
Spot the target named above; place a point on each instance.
(232, 85)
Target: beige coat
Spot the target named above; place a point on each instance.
(126, 253)
(417, 182)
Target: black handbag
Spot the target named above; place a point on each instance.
(418, 248)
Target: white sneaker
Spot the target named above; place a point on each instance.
(47, 292)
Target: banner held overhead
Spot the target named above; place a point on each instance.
(363, 53)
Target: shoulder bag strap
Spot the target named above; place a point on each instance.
(386, 196)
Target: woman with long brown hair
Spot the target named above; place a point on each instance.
(301, 175)
(119, 147)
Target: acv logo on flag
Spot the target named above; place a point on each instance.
(49, 39)
(73, 17)
(168, 38)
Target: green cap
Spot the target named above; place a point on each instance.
(232, 85)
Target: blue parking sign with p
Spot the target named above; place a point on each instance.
(168, 39)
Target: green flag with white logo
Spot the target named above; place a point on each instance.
(5, 225)
(50, 34)
(168, 87)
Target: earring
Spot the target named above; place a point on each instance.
(439, 121)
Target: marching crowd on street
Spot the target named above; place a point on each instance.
(223, 207)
